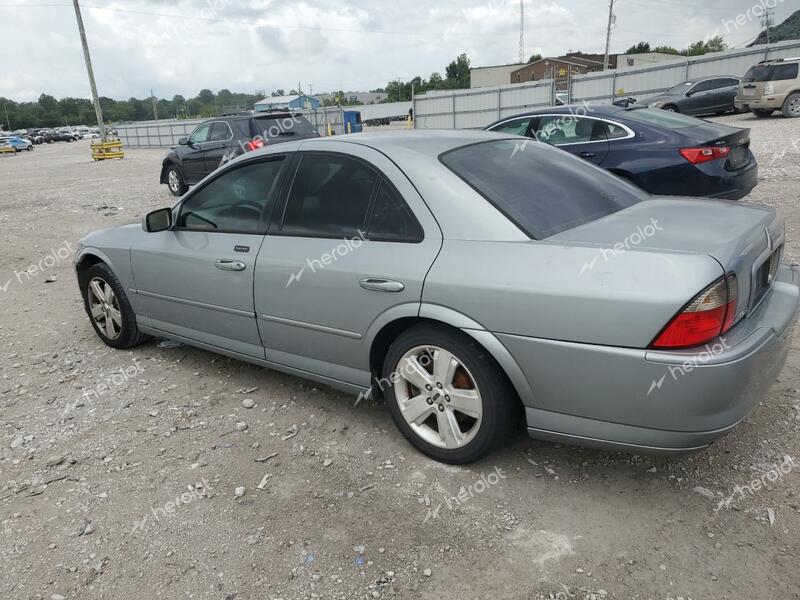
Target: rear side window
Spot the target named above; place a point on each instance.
(783, 72)
(330, 197)
(542, 190)
(220, 132)
(285, 127)
(391, 219)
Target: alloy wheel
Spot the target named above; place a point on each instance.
(104, 308)
(173, 181)
(438, 397)
(794, 106)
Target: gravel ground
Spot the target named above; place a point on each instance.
(119, 469)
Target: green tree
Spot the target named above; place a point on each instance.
(639, 48)
(457, 72)
(534, 58)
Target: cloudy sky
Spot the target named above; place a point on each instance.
(181, 46)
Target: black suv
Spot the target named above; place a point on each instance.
(217, 141)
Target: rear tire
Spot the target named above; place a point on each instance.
(762, 113)
(465, 406)
(175, 181)
(791, 106)
(105, 301)
(670, 108)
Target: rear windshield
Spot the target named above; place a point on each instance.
(757, 73)
(660, 118)
(283, 126)
(543, 190)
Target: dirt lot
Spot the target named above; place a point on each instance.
(118, 470)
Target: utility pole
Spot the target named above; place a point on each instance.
(5, 108)
(95, 98)
(766, 20)
(521, 31)
(611, 21)
(155, 108)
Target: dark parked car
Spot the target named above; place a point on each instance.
(706, 96)
(661, 152)
(217, 141)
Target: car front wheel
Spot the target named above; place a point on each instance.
(447, 395)
(108, 308)
(177, 186)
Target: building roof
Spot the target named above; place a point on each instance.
(279, 99)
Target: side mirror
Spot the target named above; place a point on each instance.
(158, 220)
(183, 141)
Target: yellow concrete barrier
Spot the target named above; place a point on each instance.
(108, 149)
(7, 150)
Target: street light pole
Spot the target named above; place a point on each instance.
(5, 108)
(95, 98)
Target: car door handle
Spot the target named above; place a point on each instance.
(588, 155)
(376, 284)
(226, 264)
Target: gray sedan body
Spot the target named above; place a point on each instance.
(569, 316)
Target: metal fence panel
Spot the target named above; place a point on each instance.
(653, 79)
(467, 109)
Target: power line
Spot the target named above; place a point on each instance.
(250, 23)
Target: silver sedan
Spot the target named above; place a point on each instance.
(472, 280)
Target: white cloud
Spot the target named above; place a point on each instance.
(331, 44)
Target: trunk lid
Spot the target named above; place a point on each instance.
(746, 240)
(712, 134)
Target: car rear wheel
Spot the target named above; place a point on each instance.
(671, 108)
(762, 113)
(29, 148)
(791, 107)
(177, 186)
(108, 308)
(447, 395)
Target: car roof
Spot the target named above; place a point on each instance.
(578, 110)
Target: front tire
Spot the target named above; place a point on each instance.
(108, 308)
(791, 107)
(762, 113)
(447, 395)
(175, 182)
(671, 108)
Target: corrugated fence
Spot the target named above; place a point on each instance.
(462, 109)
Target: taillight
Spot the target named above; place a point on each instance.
(254, 144)
(710, 314)
(701, 155)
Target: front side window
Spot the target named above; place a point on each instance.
(330, 197)
(235, 201)
(542, 191)
(679, 90)
(783, 72)
(201, 134)
(515, 127)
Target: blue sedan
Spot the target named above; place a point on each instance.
(662, 153)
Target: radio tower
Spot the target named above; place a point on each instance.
(521, 31)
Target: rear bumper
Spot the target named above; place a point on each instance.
(773, 102)
(654, 401)
(707, 180)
